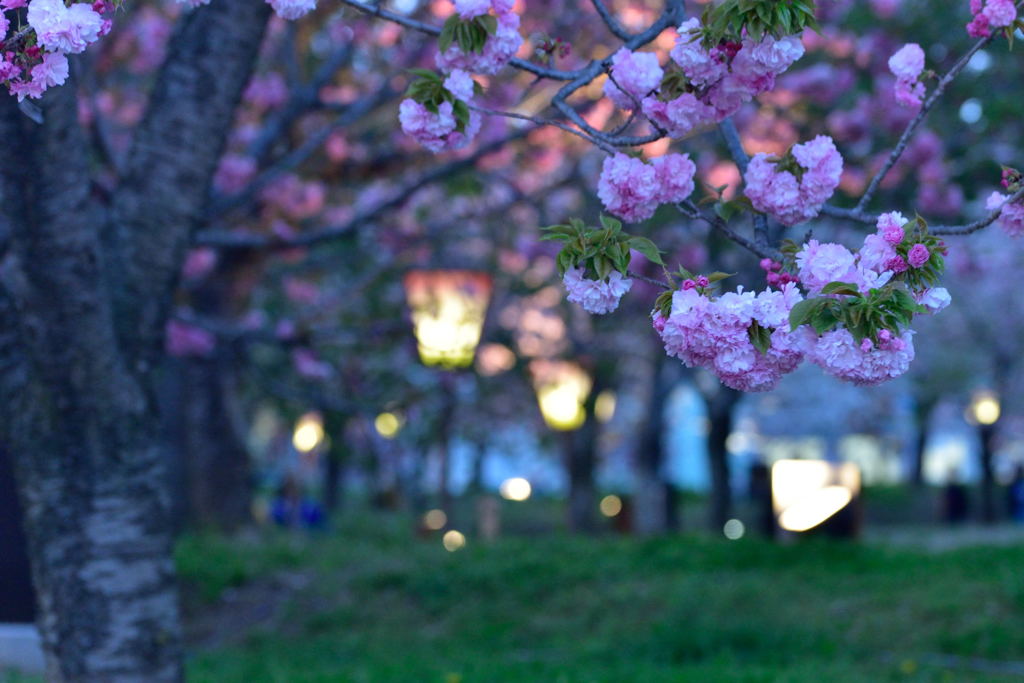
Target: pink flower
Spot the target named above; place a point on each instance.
(700, 66)
(234, 173)
(839, 354)
(713, 334)
(876, 253)
(934, 299)
(629, 188)
(1011, 219)
(1000, 13)
(498, 50)
(897, 265)
(437, 132)
(674, 175)
(636, 73)
(64, 29)
(53, 70)
(781, 195)
(468, 9)
(596, 296)
(908, 62)
(890, 227)
(918, 255)
(819, 264)
(679, 116)
(292, 9)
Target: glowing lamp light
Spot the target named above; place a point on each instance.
(453, 540)
(448, 309)
(610, 505)
(562, 389)
(435, 520)
(604, 405)
(807, 493)
(984, 409)
(387, 425)
(516, 488)
(309, 432)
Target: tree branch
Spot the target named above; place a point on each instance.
(173, 157)
(979, 224)
(908, 132)
(610, 21)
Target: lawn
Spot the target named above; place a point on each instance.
(371, 602)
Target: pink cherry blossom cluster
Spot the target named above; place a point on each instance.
(990, 14)
(438, 131)
(793, 189)
(595, 296)
(864, 364)
(907, 64)
(500, 46)
(874, 264)
(28, 67)
(713, 333)
(717, 80)
(632, 189)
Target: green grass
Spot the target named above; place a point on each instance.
(386, 606)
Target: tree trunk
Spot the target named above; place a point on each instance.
(988, 481)
(580, 455)
(651, 503)
(75, 369)
(720, 417)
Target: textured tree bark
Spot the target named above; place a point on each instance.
(75, 383)
(720, 416)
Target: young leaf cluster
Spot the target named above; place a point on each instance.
(916, 232)
(887, 308)
(599, 250)
(469, 34)
(727, 21)
(428, 89)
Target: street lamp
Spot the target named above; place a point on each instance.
(448, 308)
(984, 412)
(562, 389)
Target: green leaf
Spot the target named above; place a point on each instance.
(648, 248)
(718, 276)
(603, 267)
(846, 288)
(760, 337)
(614, 225)
(802, 312)
(444, 41)
(489, 23)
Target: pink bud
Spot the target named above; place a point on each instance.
(866, 345)
(689, 284)
(702, 281)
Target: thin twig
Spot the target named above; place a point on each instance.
(979, 224)
(908, 132)
(408, 22)
(546, 122)
(644, 278)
